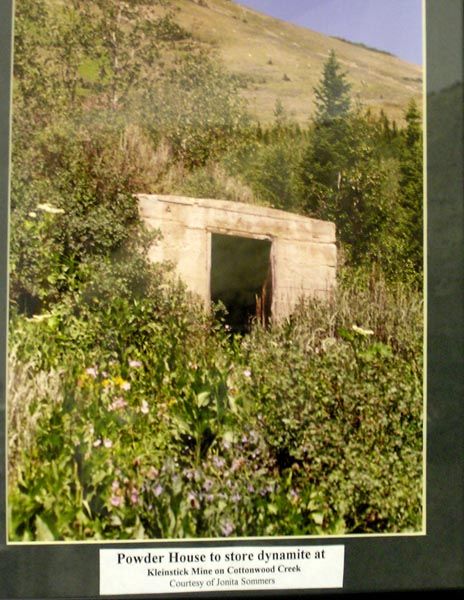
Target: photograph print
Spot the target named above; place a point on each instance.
(216, 276)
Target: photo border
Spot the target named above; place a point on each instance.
(373, 563)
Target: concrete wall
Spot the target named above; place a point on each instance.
(303, 254)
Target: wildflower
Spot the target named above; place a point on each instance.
(193, 500)
(106, 383)
(250, 488)
(247, 373)
(158, 490)
(32, 214)
(134, 496)
(97, 443)
(49, 208)
(192, 474)
(144, 409)
(218, 462)
(135, 364)
(116, 500)
(125, 386)
(107, 443)
(362, 331)
(115, 485)
(236, 497)
(92, 371)
(208, 484)
(227, 528)
(118, 404)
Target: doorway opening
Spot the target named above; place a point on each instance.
(241, 278)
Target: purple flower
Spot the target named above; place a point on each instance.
(116, 500)
(208, 484)
(227, 528)
(218, 462)
(158, 490)
(134, 497)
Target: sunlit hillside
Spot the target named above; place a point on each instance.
(283, 61)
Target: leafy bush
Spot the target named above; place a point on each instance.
(163, 425)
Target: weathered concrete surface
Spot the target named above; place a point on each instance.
(303, 252)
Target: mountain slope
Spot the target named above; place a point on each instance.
(278, 60)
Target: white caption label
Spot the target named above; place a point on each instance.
(210, 569)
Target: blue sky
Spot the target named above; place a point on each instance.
(391, 25)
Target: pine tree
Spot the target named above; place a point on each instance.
(341, 174)
(332, 93)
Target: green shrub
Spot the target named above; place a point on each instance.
(160, 424)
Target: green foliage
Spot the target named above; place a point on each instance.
(332, 93)
(346, 180)
(198, 109)
(162, 426)
(134, 415)
(412, 191)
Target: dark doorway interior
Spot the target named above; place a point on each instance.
(241, 278)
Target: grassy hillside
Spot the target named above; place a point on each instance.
(282, 61)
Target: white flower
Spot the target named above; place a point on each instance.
(48, 208)
(92, 371)
(145, 409)
(42, 317)
(362, 331)
(135, 364)
(247, 373)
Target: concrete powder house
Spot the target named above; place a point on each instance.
(258, 261)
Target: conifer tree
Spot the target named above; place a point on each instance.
(342, 178)
(332, 93)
